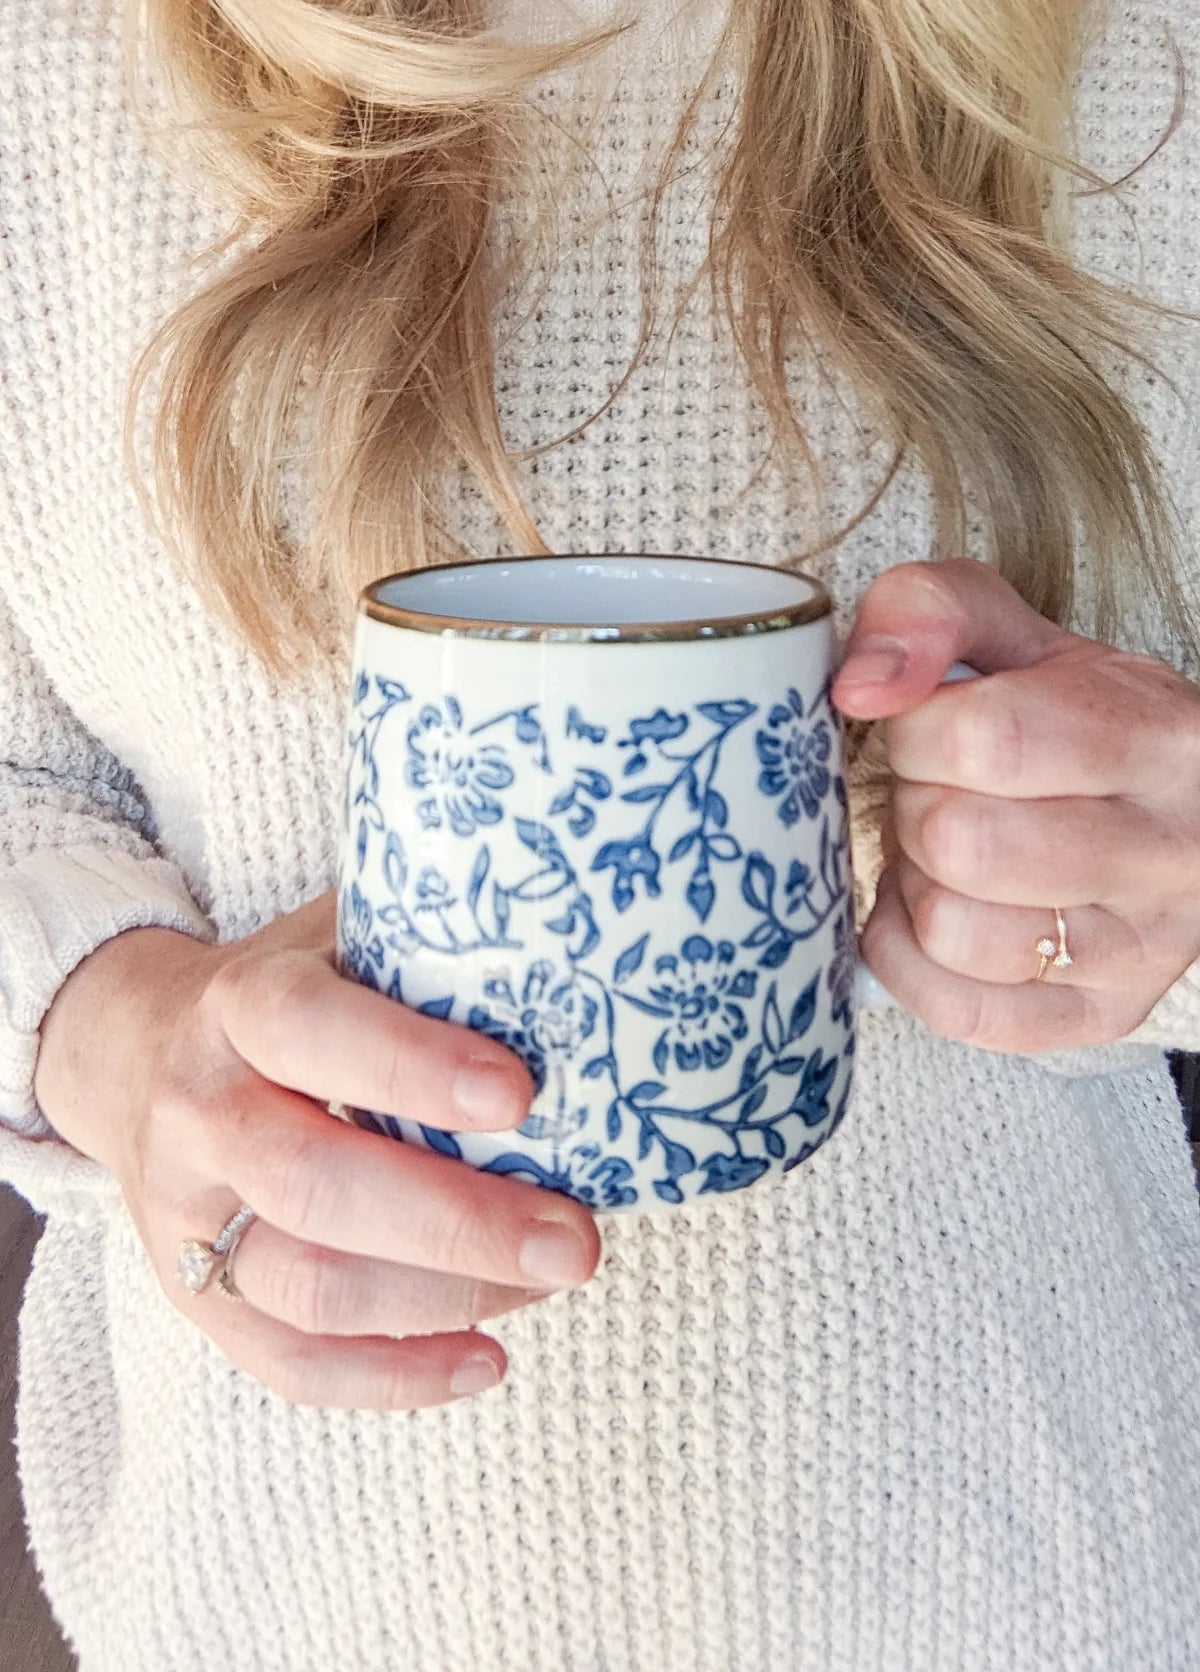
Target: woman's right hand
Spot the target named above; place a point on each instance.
(200, 1077)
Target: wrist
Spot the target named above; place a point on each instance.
(99, 1036)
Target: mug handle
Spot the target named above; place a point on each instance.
(869, 991)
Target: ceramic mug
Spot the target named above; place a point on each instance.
(595, 809)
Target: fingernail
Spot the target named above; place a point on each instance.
(553, 1253)
(474, 1375)
(484, 1095)
(874, 661)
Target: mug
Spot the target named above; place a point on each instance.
(594, 808)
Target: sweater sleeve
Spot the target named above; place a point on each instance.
(78, 865)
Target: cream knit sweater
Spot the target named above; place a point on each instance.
(928, 1404)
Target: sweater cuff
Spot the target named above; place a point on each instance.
(57, 906)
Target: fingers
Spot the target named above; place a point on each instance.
(1046, 853)
(363, 1375)
(322, 1292)
(1091, 722)
(326, 1182)
(998, 943)
(919, 618)
(301, 1025)
(1033, 1017)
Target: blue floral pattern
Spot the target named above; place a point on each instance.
(794, 754)
(507, 893)
(461, 773)
(700, 991)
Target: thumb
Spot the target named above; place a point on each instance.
(916, 620)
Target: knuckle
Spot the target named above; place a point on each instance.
(959, 1014)
(985, 737)
(297, 1184)
(270, 989)
(937, 927)
(309, 1291)
(952, 838)
(454, 1238)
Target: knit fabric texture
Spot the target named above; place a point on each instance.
(929, 1403)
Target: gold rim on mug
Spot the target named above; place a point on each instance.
(812, 608)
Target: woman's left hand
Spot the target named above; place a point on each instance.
(1070, 777)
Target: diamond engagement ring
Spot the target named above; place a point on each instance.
(1051, 953)
(198, 1261)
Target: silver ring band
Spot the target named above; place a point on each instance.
(199, 1262)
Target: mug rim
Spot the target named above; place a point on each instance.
(813, 608)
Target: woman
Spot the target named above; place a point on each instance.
(789, 279)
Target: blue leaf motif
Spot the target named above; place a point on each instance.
(803, 1011)
(645, 1092)
(731, 1172)
(391, 689)
(681, 845)
(636, 763)
(726, 713)
(594, 1069)
(662, 1053)
(528, 729)
(776, 954)
(659, 727)
(612, 1121)
(479, 873)
(597, 784)
(362, 843)
(395, 866)
(630, 960)
(562, 801)
(723, 846)
(772, 1023)
(758, 882)
(541, 840)
(679, 1160)
(668, 1191)
(645, 792)
(577, 726)
(753, 1103)
(581, 821)
(701, 894)
(501, 908)
(774, 1142)
(716, 808)
(750, 1068)
(439, 1009)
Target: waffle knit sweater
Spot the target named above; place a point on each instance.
(929, 1404)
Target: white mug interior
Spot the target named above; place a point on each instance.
(609, 590)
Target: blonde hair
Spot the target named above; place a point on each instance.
(892, 192)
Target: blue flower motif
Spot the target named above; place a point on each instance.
(545, 1026)
(362, 951)
(842, 968)
(794, 759)
(600, 1181)
(433, 891)
(444, 758)
(701, 996)
(635, 857)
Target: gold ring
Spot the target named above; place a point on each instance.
(1049, 952)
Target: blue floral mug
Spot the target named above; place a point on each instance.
(594, 808)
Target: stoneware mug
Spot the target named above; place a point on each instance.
(594, 808)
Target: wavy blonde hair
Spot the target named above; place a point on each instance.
(892, 193)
